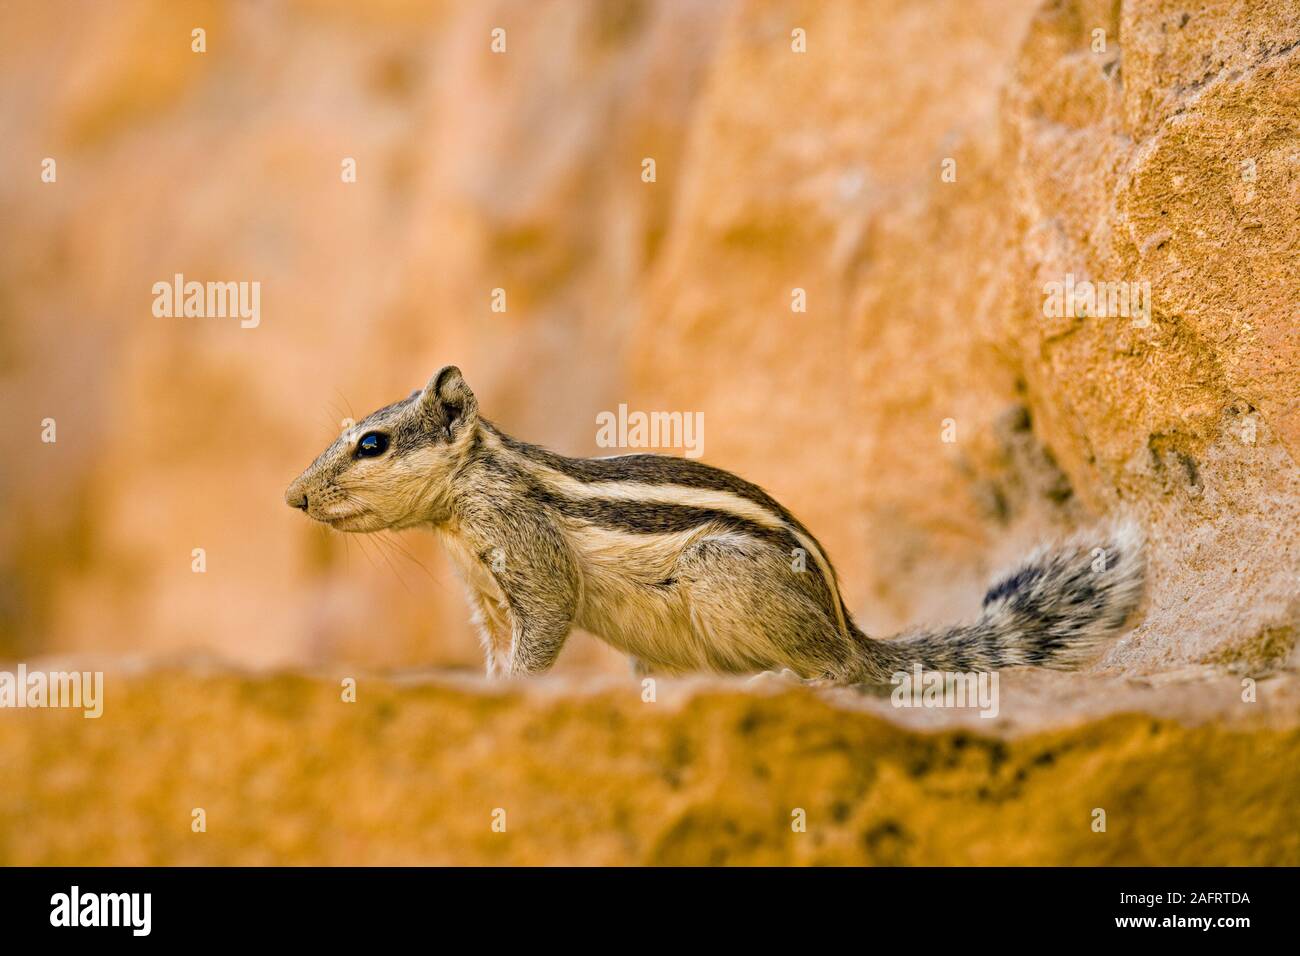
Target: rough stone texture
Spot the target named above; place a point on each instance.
(1119, 165)
(1170, 156)
(1194, 421)
(708, 774)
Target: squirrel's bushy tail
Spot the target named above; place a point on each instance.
(1054, 610)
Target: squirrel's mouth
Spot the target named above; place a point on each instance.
(348, 522)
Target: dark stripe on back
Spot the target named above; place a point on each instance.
(637, 517)
(653, 470)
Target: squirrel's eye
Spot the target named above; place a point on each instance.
(372, 445)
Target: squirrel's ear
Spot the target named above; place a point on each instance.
(448, 401)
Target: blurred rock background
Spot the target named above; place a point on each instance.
(775, 171)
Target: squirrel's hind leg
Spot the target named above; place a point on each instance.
(751, 611)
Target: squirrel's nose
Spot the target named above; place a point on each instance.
(296, 499)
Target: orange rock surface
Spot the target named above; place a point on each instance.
(418, 772)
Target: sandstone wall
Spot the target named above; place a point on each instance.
(776, 171)
(1133, 163)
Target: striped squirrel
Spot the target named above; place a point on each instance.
(680, 565)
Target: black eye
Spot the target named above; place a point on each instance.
(372, 445)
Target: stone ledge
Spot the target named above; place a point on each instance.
(411, 774)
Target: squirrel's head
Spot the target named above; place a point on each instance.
(394, 468)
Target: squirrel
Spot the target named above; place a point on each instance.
(682, 566)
